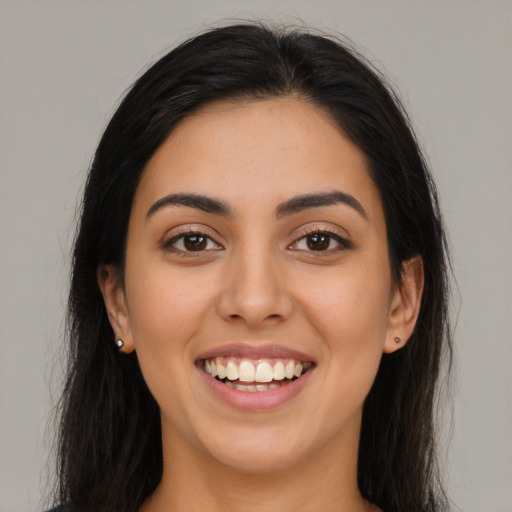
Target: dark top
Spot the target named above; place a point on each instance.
(64, 508)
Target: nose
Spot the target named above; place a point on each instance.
(254, 290)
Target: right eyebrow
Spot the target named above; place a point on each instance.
(198, 201)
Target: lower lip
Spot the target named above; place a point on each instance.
(257, 400)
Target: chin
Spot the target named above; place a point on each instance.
(265, 452)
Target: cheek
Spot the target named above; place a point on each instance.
(349, 309)
(166, 308)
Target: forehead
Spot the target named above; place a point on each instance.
(269, 149)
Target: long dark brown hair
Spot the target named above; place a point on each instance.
(110, 453)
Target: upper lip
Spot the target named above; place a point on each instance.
(259, 351)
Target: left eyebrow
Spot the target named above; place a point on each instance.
(306, 201)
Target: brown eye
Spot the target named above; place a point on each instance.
(195, 242)
(321, 241)
(191, 242)
(318, 242)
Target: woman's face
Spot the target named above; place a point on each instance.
(257, 244)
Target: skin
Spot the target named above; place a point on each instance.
(258, 281)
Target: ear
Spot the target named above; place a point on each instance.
(405, 305)
(111, 287)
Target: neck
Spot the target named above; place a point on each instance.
(192, 482)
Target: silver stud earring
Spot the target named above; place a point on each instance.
(120, 343)
(398, 339)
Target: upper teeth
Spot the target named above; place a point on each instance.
(258, 371)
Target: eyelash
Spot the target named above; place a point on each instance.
(343, 243)
(169, 244)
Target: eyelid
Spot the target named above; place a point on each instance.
(342, 238)
(175, 234)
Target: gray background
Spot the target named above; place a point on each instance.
(64, 64)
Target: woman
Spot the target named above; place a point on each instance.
(258, 309)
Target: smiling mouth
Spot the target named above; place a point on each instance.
(255, 375)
